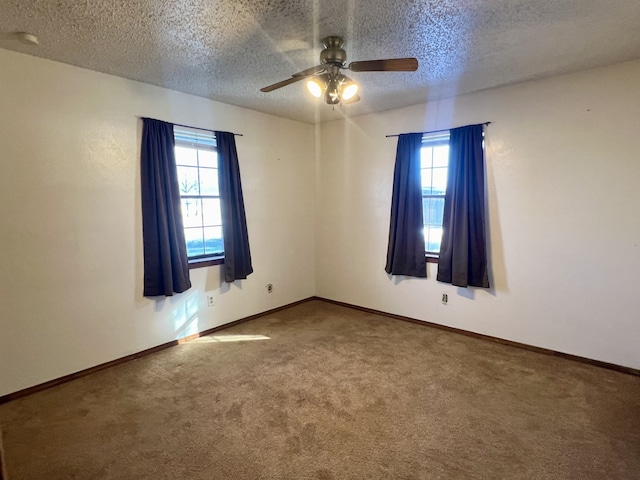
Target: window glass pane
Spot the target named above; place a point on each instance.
(213, 240)
(188, 180)
(197, 169)
(209, 181)
(436, 211)
(434, 163)
(426, 202)
(194, 238)
(441, 156)
(212, 215)
(186, 156)
(434, 239)
(191, 212)
(193, 136)
(426, 160)
(426, 181)
(439, 185)
(208, 158)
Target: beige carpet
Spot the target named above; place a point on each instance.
(320, 391)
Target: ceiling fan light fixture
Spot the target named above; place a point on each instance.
(332, 97)
(316, 87)
(349, 89)
(336, 88)
(332, 93)
(354, 99)
(325, 80)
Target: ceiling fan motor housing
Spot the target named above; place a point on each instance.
(333, 52)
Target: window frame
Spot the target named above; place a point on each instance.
(185, 137)
(429, 141)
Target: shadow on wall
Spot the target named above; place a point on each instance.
(138, 298)
(495, 251)
(398, 279)
(217, 281)
(214, 279)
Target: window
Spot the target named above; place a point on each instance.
(434, 165)
(197, 165)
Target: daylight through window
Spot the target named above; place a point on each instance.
(434, 166)
(197, 165)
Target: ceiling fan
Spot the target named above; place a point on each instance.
(326, 80)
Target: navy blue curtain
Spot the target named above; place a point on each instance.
(237, 255)
(405, 253)
(463, 253)
(166, 268)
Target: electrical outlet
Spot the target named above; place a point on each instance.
(211, 300)
(269, 287)
(445, 298)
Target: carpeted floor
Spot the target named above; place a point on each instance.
(320, 391)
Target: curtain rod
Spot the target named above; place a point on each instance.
(189, 126)
(438, 131)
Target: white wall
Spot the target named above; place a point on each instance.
(70, 223)
(563, 165)
(563, 173)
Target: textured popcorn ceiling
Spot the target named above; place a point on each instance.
(226, 50)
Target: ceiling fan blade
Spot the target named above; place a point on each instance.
(310, 71)
(283, 83)
(390, 65)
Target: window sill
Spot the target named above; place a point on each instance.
(205, 262)
(430, 258)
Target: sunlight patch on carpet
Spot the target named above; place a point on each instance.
(228, 338)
